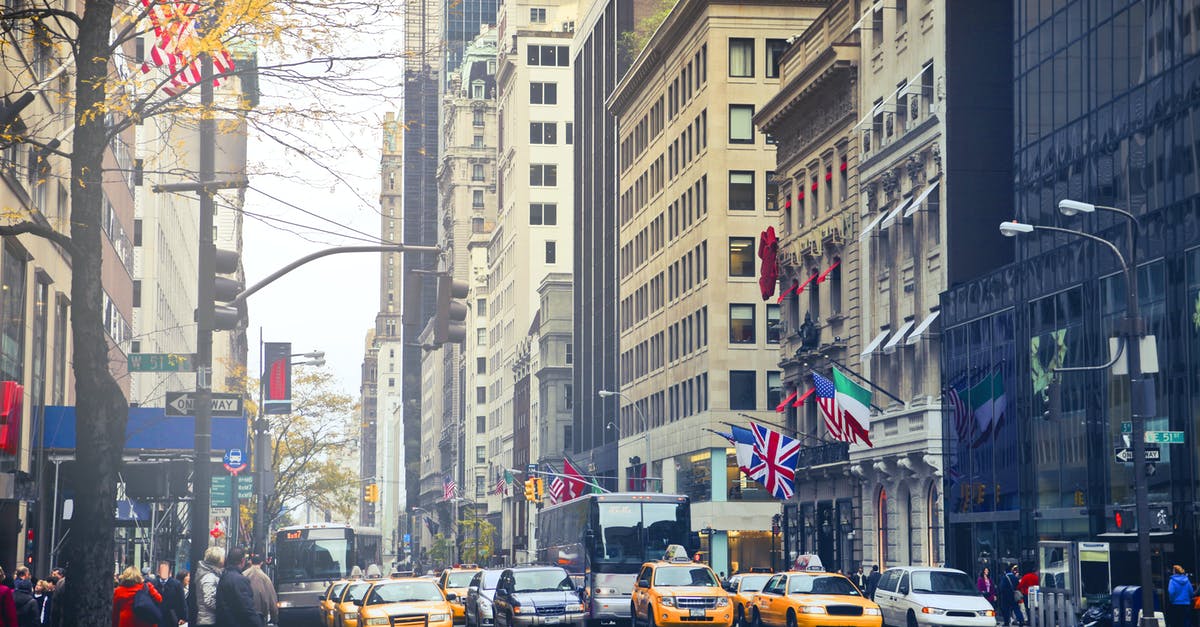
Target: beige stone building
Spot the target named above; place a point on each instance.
(813, 118)
(696, 187)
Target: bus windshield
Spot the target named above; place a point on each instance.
(321, 554)
(632, 533)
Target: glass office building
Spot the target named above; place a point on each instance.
(1106, 111)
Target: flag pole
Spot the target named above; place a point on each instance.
(780, 427)
(864, 380)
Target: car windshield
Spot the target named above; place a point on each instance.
(337, 591)
(943, 582)
(490, 578)
(541, 581)
(684, 576)
(754, 583)
(405, 592)
(355, 592)
(815, 584)
(459, 580)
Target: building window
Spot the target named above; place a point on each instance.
(480, 454)
(480, 395)
(481, 336)
(477, 90)
(537, 16)
(559, 56)
(480, 306)
(933, 508)
(741, 190)
(775, 50)
(543, 175)
(570, 133)
(881, 528)
(741, 57)
(568, 436)
(551, 252)
(476, 120)
(741, 256)
(741, 125)
(901, 12)
(741, 324)
(12, 306)
(391, 382)
(742, 389)
(477, 199)
(480, 424)
(835, 287)
(481, 365)
(543, 93)
(543, 133)
(477, 141)
(814, 296)
(477, 172)
(570, 354)
(772, 192)
(543, 214)
(773, 323)
(774, 388)
(877, 30)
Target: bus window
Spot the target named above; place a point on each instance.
(666, 524)
(620, 541)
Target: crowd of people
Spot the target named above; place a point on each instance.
(26, 601)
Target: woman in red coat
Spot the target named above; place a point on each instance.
(128, 585)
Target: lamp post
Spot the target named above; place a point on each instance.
(1141, 390)
(645, 428)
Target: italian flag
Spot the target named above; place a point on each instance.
(855, 402)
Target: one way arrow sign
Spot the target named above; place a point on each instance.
(1124, 454)
(184, 404)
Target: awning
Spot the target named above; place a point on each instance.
(890, 347)
(916, 334)
(874, 344)
(891, 217)
(870, 227)
(916, 204)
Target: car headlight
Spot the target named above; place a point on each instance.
(437, 618)
(933, 610)
(813, 609)
(870, 611)
(378, 621)
(574, 607)
(350, 614)
(517, 609)
(668, 601)
(484, 604)
(987, 612)
(283, 604)
(722, 602)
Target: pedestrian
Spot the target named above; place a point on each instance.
(59, 575)
(174, 602)
(872, 582)
(27, 606)
(985, 586)
(43, 590)
(263, 589)
(130, 583)
(1179, 598)
(859, 578)
(1028, 580)
(1007, 593)
(235, 597)
(185, 580)
(207, 578)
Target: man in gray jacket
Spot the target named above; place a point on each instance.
(263, 589)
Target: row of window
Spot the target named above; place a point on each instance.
(914, 103)
(643, 302)
(683, 399)
(543, 93)
(743, 389)
(741, 57)
(689, 208)
(546, 133)
(642, 247)
(642, 359)
(543, 175)
(647, 186)
(557, 56)
(688, 145)
(743, 323)
(648, 128)
(690, 81)
(688, 335)
(543, 214)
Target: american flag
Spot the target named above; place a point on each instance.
(501, 485)
(558, 491)
(962, 413)
(835, 421)
(776, 464)
(177, 45)
(449, 488)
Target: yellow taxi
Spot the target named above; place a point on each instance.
(676, 591)
(741, 588)
(454, 582)
(405, 602)
(330, 599)
(812, 599)
(345, 611)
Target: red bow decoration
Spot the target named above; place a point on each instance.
(768, 251)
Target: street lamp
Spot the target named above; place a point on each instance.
(1140, 389)
(645, 428)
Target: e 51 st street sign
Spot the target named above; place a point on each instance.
(161, 362)
(184, 403)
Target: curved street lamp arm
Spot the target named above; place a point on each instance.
(1111, 246)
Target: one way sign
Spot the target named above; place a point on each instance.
(1124, 454)
(184, 404)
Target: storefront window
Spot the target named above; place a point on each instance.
(741, 487)
(693, 476)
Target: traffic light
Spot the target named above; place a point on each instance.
(225, 289)
(1124, 520)
(531, 489)
(371, 493)
(541, 488)
(30, 547)
(449, 326)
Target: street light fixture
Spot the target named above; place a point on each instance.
(645, 429)
(1140, 388)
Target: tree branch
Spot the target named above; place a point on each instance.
(33, 228)
(39, 13)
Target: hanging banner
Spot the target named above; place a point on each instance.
(277, 378)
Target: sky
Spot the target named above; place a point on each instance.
(329, 304)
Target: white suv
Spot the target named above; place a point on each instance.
(911, 596)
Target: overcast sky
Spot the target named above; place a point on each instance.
(331, 303)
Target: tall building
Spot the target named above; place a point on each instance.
(369, 439)
(533, 226)
(1103, 113)
(695, 176)
(815, 317)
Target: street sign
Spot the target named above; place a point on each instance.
(1164, 437)
(1126, 427)
(1124, 454)
(183, 404)
(245, 487)
(221, 492)
(234, 461)
(162, 362)
(222, 511)
(530, 469)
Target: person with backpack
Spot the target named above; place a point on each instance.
(28, 609)
(135, 602)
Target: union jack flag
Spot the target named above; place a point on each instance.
(449, 488)
(775, 465)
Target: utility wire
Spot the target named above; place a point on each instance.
(374, 238)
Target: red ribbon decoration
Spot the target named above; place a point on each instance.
(789, 290)
(803, 397)
(782, 407)
(805, 284)
(821, 279)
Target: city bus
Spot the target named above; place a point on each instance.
(308, 557)
(602, 540)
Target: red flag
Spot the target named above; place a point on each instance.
(768, 248)
(575, 482)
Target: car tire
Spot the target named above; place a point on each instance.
(738, 618)
(755, 618)
(912, 619)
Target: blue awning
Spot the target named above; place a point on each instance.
(149, 429)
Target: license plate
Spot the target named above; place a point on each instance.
(697, 614)
(552, 620)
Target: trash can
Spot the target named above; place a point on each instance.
(1133, 605)
(1118, 607)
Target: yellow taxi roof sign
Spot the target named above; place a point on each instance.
(676, 553)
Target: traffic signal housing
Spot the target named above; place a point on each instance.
(1124, 520)
(450, 320)
(30, 547)
(371, 493)
(541, 488)
(226, 314)
(531, 489)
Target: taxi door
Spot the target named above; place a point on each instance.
(765, 601)
(641, 594)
